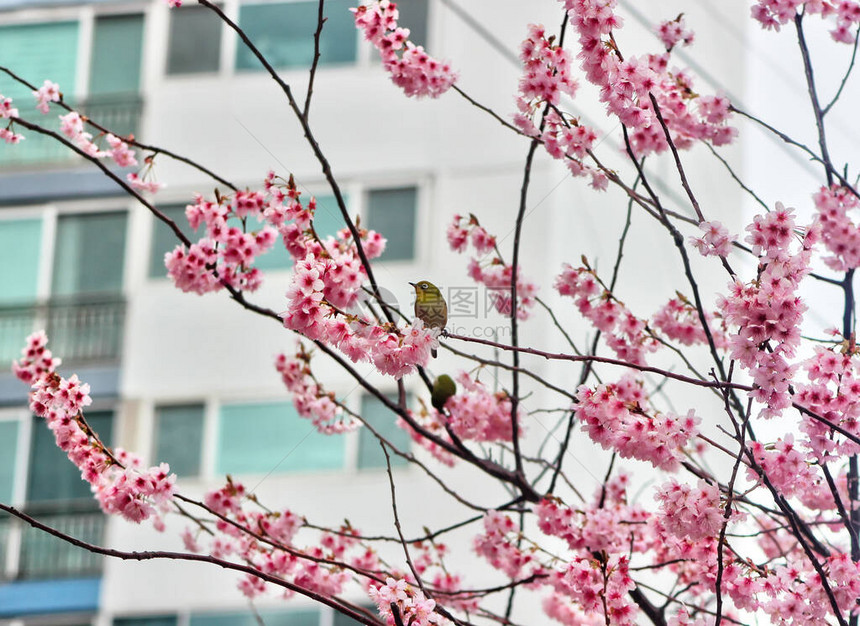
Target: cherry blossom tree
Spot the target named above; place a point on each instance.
(734, 528)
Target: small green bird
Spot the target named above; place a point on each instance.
(443, 388)
(430, 306)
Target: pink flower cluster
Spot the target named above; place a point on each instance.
(72, 126)
(833, 391)
(691, 512)
(225, 254)
(598, 588)
(8, 112)
(266, 539)
(309, 398)
(479, 415)
(494, 274)
(791, 473)
(120, 484)
(498, 545)
(840, 234)
(673, 32)
(767, 310)
(546, 77)
(626, 86)
(47, 93)
(411, 604)
(679, 321)
(607, 524)
(616, 416)
(772, 14)
(394, 351)
(715, 242)
(410, 67)
(627, 335)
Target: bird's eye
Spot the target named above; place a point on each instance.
(425, 286)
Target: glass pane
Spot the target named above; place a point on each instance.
(195, 40)
(40, 51)
(116, 54)
(342, 620)
(413, 15)
(179, 438)
(164, 239)
(262, 438)
(391, 212)
(89, 254)
(52, 477)
(306, 617)
(156, 620)
(8, 446)
(20, 248)
(384, 422)
(284, 34)
(328, 219)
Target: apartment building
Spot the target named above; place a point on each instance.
(188, 379)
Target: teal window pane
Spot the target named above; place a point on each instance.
(20, 248)
(343, 620)
(194, 43)
(179, 438)
(39, 51)
(116, 54)
(89, 254)
(384, 422)
(327, 218)
(153, 620)
(392, 212)
(52, 477)
(413, 15)
(8, 446)
(262, 438)
(306, 617)
(284, 34)
(164, 239)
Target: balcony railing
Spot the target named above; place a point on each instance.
(83, 331)
(120, 113)
(31, 554)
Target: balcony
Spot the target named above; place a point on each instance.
(120, 113)
(82, 331)
(31, 554)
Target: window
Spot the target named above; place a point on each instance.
(115, 67)
(262, 438)
(164, 239)
(284, 33)
(195, 40)
(384, 422)
(89, 254)
(40, 51)
(8, 445)
(179, 438)
(50, 489)
(413, 15)
(392, 212)
(20, 247)
(51, 477)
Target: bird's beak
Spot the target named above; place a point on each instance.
(413, 284)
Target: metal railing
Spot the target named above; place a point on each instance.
(80, 330)
(120, 113)
(43, 556)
